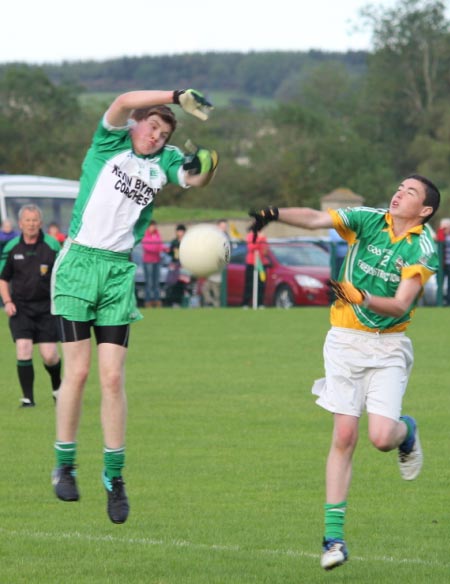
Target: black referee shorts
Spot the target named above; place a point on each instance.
(40, 328)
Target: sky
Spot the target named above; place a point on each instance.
(51, 31)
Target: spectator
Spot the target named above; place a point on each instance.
(54, 231)
(153, 247)
(7, 232)
(25, 272)
(256, 259)
(176, 282)
(212, 286)
(443, 235)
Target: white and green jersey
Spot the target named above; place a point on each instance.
(118, 188)
(377, 261)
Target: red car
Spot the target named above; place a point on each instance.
(297, 275)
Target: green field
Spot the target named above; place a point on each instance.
(225, 463)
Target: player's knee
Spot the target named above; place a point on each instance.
(382, 440)
(79, 376)
(112, 381)
(50, 358)
(345, 438)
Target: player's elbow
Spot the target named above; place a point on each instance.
(198, 180)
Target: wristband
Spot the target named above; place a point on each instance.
(176, 95)
(367, 299)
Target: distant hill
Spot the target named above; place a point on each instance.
(256, 73)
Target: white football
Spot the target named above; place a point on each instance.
(204, 250)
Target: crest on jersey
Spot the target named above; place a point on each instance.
(399, 264)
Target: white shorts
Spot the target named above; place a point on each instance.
(364, 371)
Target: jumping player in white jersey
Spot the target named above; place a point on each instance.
(367, 356)
(127, 165)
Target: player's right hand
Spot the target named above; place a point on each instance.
(348, 293)
(261, 219)
(193, 102)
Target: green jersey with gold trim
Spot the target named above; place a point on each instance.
(377, 261)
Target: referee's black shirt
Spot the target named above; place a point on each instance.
(28, 269)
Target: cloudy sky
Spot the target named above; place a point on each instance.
(50, 31)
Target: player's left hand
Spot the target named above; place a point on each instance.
(346, 292)
(200, 160)
(193, 102)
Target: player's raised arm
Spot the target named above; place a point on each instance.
(190, 100)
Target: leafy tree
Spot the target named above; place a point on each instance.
(411, 47)
(328, 88)
(407, 75)
(37, 120)
(304, 154)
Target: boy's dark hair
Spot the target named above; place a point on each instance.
(432, 194)
(163, 111)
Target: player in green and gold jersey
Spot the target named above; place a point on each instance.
(368, 359)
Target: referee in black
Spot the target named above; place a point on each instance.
(26, 266)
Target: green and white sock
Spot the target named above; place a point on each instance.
(334, 520)
(65, 453)
(114, 460)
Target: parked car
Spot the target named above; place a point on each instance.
(297, 275)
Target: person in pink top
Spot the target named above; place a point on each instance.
(152, 246)
(254, 248)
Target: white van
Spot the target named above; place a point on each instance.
(54, 196)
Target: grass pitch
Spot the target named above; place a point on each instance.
(225, 467)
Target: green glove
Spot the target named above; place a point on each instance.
(193, 102)
(200, 160)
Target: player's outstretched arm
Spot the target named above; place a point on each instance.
(190, 100)
(305, 217)
(296, 216)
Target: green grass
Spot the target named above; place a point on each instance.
(225, 463)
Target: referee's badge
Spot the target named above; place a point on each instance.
(44, 269)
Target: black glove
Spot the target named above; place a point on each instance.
(193, 102)
(261, 219)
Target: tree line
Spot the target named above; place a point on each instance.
(357, 120)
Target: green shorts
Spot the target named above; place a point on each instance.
(95, 285)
